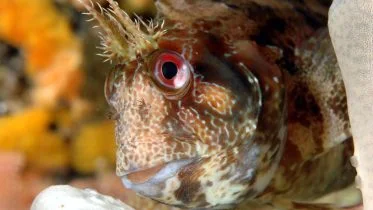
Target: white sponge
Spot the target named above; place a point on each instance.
(351, 30)
(69, 198)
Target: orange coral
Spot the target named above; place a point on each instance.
(93, 146)
(49, 44)
(27, 132)
(53, 58)
(38, 28)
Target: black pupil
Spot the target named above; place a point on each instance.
(169, 70)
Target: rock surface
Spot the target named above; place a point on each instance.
(351, 30)
(70, 198)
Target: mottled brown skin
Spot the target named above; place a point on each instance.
(262, 118)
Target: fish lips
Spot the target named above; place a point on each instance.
(153, 187)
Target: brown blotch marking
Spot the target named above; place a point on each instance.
(209, 183)
(291, 154)
(201, 199)
(187, 191)
(304, 109)
(190, 185)
(178, 148)
(303, 106)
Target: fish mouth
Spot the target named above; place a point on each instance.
(149, 182)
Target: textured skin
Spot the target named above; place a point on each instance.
(263, 118)
(351, 30)
(317, 125)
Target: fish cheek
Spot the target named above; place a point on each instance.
(229, 99)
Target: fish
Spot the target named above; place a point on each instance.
(222, 104)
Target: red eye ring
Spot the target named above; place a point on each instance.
(169, 77)
(171, 73)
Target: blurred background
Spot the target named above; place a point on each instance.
(54, 126)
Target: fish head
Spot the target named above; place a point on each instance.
(188, 105)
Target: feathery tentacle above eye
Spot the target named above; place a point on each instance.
(124, 39)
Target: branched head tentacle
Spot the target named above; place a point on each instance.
(124, 39)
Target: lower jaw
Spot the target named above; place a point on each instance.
(153, 187)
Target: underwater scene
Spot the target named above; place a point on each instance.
(195, 104)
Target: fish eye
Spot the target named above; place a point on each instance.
(169, 70)
(171, 73)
